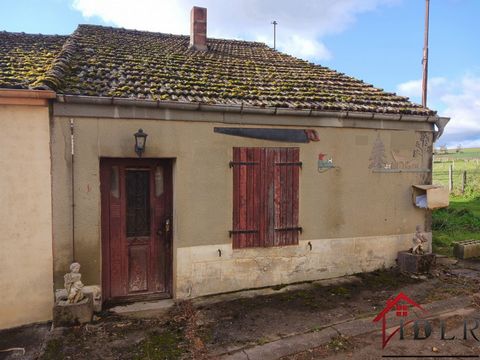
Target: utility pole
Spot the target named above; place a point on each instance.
(425, 55)
(274, 23)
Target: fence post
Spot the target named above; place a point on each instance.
(464, 180)
(450, 178)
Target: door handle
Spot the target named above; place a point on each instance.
(167, 225)
(166, 228)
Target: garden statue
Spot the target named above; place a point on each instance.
(419, 240)
(73, 284)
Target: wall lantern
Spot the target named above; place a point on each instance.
(140, 140)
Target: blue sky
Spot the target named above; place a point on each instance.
(378, 41)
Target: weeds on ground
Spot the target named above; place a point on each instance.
(339, 343)
(180, 338)
(53, 350)
(341, 291)
(161, 345)
(385, 280)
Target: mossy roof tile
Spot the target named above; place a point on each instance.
(25, 58)
(114, 62)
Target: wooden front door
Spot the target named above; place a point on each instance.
(136, 228)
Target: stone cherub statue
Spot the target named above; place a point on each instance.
(419, 240)
(73, 284)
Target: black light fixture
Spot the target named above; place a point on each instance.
(140, 141)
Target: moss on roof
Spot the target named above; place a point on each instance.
(24, 58)
(113, 62)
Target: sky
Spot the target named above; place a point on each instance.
(378, 41)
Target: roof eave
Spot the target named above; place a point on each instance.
(26, 97)
(27, 94)
(241, 108)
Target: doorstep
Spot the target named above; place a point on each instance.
(144, 308)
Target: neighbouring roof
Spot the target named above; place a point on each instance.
(25, 58)
(113, 62)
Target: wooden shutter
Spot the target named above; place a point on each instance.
(286, 168)
(247, 193)
(265, 197)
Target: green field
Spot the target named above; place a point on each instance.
(468, 160)
(464, 153)
(461, 220)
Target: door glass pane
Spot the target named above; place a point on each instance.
(158, 181)
(114, 186)
(137, 185)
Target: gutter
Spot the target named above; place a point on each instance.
(28, 94)
(242, 109)
(440, 122)
(26, 97)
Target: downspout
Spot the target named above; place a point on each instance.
(72, 152)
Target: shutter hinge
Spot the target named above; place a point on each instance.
(296, 228)
(231, 232)
(235, 163)
(297, 163)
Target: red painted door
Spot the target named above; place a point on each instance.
(136, 228)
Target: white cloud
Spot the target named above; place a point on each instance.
(458, 99)
(306, 48)
(412, 88)
(301, 23)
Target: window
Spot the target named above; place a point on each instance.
(265, 197)
(137, 185)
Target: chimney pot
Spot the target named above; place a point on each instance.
(198, 28)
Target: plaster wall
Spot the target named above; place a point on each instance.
(347, 208)
(25, 216)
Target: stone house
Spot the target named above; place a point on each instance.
(258, 168)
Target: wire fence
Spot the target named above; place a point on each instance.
(457, 175)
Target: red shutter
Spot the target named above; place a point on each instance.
(265, 197)
(247, 193)
(286, 167)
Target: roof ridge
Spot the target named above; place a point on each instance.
(257, 43)
(22, 33)
(52, 80)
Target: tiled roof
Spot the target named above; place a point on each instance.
(25, 58)
(113, 62)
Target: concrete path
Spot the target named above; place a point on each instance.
(302, 342)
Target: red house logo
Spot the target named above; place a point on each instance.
(401, 305)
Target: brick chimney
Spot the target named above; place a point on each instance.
(198, 28)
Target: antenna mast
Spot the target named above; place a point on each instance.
(425, 56)
(274, 23)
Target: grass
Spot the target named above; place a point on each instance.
(465, 153)
(460, 221)
(384, 280)
(53, 350)
(162, 346)
(459, 165)
(339, 343)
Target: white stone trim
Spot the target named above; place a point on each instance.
(201, 271)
